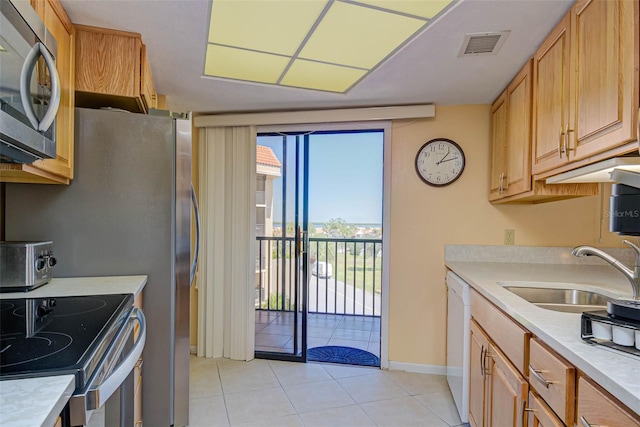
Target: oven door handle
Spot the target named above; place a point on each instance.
(98, 394)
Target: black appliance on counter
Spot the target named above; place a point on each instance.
(90, 337)
(624, 204)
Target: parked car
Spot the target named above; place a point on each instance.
(322, 269)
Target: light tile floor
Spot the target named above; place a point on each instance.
(274, 394)
(274, 331)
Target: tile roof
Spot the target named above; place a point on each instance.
(266, 156)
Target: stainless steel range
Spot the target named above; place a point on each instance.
(90, 337)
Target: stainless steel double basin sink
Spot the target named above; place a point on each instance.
(557, 299)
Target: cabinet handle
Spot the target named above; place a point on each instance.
(560, 142)
(482, 360)
(536, 374)
(524, 412)
(566, 141)
(585, 423)
(500, 180)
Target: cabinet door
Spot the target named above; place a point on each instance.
(506, 392)
(498, 147)
(540, 415)
(596, 408)
(58, 23)
(147, 89)
(518, 177)
(550, 99)
(477, 395)
(604, 84)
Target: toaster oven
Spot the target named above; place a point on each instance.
(25, 265)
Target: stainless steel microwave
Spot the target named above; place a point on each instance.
(29, 85)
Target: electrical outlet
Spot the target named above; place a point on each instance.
(509, 237)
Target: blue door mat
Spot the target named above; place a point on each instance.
(345, 355)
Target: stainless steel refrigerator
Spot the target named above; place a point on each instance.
(126, 212)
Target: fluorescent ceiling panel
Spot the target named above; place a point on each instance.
(358, 36)
(422, 8)
(244, 64)
(316, 75)
(274, 26)
(336, 42)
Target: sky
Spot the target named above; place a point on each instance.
(345, 176)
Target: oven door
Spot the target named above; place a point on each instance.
(111, 387)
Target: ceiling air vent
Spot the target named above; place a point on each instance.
(483, 43)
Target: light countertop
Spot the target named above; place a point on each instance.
(615, 371)
(34, 402)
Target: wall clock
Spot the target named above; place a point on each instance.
(440, 162)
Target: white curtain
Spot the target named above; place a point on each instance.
(226, 287)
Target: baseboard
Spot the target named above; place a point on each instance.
(417, 368)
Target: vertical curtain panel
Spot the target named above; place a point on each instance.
(226, 294)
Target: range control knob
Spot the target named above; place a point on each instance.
(51, 261)
(43, 310)
(41, 263)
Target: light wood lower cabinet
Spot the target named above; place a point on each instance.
(541, 415)
(515, 376)
(554, 380)
(597, 408)
(498, 391)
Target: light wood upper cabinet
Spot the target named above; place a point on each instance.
(148, 90)
(499, 147)
(112, 70)
(60, 169)
(550, 98)
(511, 138)
(586, 82)
(604, 70)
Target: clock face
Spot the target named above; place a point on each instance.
(440, 162)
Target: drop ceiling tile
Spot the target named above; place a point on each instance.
(241, 64)
(358, 36)
(423, 8)
(274, 26)
(316, 75)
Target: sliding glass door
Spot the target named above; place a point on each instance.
(282, 267)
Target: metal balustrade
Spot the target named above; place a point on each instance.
(345, 275)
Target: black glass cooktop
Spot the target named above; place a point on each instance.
(62, 335)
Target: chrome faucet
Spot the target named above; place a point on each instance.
(632, 275)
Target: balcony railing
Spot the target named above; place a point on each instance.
(345, 275)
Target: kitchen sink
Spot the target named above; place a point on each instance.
(566, 300)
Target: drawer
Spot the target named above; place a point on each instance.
(509, 336)
(553, 379)
(539, 414)
(596, 407)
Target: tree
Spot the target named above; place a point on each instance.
(338, 228)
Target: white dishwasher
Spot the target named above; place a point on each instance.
(458, 316)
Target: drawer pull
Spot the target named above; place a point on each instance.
(536, 374)
(524, 412)
(585, 423)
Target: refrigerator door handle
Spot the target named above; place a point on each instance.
(194, 264)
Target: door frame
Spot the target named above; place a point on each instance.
(385, 126)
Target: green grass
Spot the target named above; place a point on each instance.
(356, 271)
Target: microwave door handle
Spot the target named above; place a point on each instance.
(196, 210)
(25, 92)
(98, 394)
(54, 102)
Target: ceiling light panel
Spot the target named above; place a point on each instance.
(422, 8)
(320, 76)
(232, 63)
(358, 36)
(274, 26)
(325, 45)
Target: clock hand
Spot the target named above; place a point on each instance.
(444, 157)
(448, 160)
